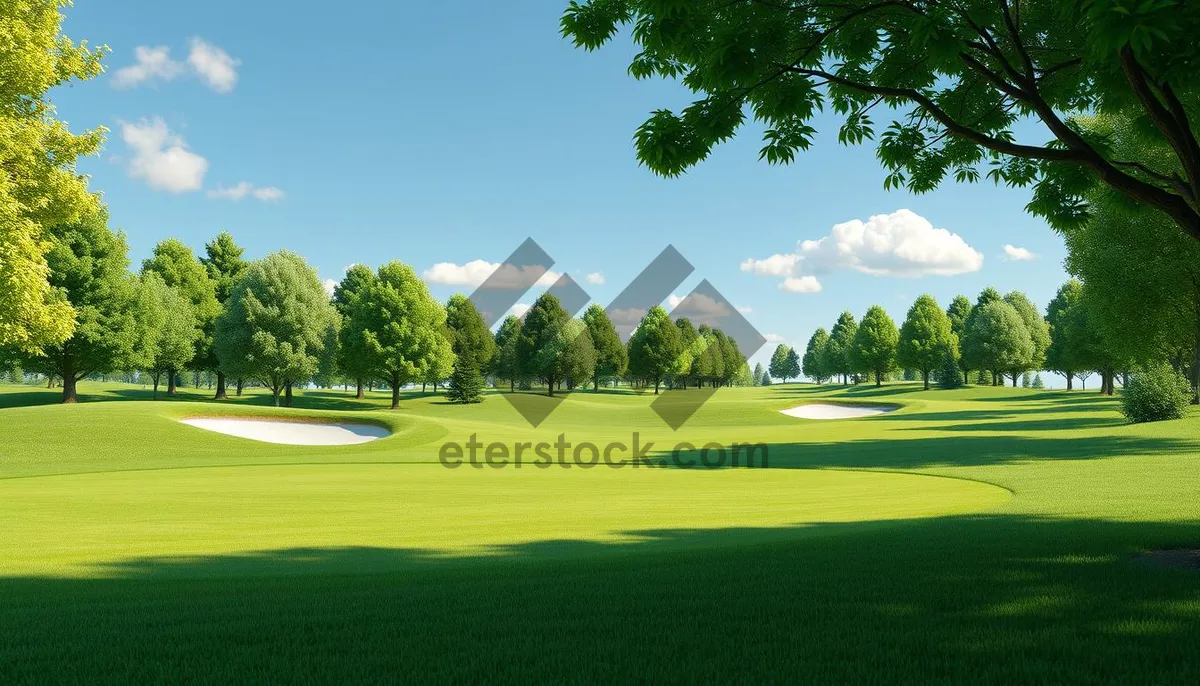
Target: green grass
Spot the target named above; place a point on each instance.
(136, 548)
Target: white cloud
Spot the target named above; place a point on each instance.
(245, 188)
(161, 158)
(673, 301)
(150, 64)
(213, 65)
(901, 244)
(775, 265)
(519, 309)
(1012, 252)
(800, 284)
(596, 278)
(745, 309)
(475, 272)
(773, 337)
(329, 285)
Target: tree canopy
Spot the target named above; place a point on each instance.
(837, 353)
(874, 345)
(611, 357)
(656, 345)
(954, 79)
(39, 185)
(816, 355)
(275, 326)
(166, 325)
(926, 338)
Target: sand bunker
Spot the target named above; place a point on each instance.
(292, 433)
(828, 411)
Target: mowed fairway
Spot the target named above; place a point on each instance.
(983, 535)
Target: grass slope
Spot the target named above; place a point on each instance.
(137, 548)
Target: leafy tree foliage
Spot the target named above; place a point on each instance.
(1039, 332)
(166, 326)
(1148, 313)
(953, 78)
(353, 350)
(179, 269)
(949, 374)
(691, 357)
(816, 354)
(1069, 334)
(39, 186)
(224, 264)
(756, 375)
(611, 357)
(402, 326)
(656, 346)
(466, 383)
(970, 361)
(467, 332)
(568, 355)
(997, 339)
(959, 310)
(275, 326)
(874, 344)
(507, 362)
(926, 339)
(543, 323)
(837, 353)
(89, 264)
(778, 366)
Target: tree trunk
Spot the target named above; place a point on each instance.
(966, 377)
(395, 384)
(550, 387)
(359, 393)
(512, 385)
(656, 386)
(239, 387)
(287, 394)
(878, 379)
(595, 384)
(154, 395)
(69, 394)
(925, 376)
(222, 394)
(1015, 375)
(275, 392)
(171, 382)
(1070, 377)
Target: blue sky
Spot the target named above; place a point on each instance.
(446, 133)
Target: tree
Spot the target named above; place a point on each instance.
(874, 344)
(167, 331)
(275, 326)
(791, 365)
(89, 265)
(224, 264)
(39, 186)
(926, 338)
(507, 362)
(656, 345)
(1068, 331)
(949, 374)
(179, 269)
(1144, 278)
(353, 358)
(756, 376)
(467, 332)
(543, 322)
(466, 383)
(1037, 382)
(955, 79)
(957, 313)
(567, 356)
(402, 327)
(611, 356)
(692, 347)
(837, 353)
(997, 338)
(969, 361)
(778, 365)
(815, 356)
(1039, 332)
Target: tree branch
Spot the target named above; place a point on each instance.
(1015, 36)
(1181, 140)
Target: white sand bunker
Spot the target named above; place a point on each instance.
(828, 411)
(292, 433)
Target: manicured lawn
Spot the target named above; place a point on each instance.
(135, 548)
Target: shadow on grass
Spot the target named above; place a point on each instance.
(991, 599)
(895, 451)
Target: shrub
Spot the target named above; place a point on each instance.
(466, 384)
(1154, 394)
